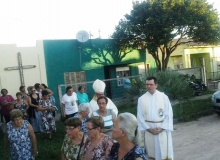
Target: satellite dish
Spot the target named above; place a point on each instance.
(82, 36)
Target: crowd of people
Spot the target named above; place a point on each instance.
(94, 129)
(30, 113)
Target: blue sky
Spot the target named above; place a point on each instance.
(22, 22)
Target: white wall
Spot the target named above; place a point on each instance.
(30, 56)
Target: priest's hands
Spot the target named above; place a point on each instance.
(155, 131)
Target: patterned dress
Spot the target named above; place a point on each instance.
(22, 107)
(83, 127)
(34, 115)
(135, 152)
(71, 150)
(48, 119)
(99, 152)
(20, 142)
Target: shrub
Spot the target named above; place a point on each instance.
(173, 84)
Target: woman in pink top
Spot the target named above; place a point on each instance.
(7, 104)
(98, 144)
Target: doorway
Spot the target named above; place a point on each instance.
(107, 75)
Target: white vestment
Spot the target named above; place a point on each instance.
(94, 106)
(154, 110)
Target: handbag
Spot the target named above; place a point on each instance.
(80, 147)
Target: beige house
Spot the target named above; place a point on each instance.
(194, 55)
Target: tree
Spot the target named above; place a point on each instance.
(161, 25)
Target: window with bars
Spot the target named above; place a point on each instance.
(178, 62)
(120, 71)
(75, 77)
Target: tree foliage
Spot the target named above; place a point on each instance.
(161, 25)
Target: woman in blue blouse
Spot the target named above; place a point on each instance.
(125, 133)
(82, 96)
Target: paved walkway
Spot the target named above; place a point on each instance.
(197, 140)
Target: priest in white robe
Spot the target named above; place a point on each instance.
(99, 89)
(155, 121)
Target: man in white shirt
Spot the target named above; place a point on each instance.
(69, 103)
(99, 89)
(155, 121)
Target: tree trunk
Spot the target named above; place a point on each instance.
(165, 57)
(157, 60)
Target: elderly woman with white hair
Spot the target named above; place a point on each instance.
(125, 132)
(83, 112)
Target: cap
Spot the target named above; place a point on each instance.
(98, 86)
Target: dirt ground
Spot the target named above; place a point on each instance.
(197, 140)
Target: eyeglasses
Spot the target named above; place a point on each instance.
(150, 84)
(89, 129)
(69, 129)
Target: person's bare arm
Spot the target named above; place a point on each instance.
(33, 140)
(28, 99)
(12, 102)
(26, 105)
(41, 108)
(50, 92)
(8, 103)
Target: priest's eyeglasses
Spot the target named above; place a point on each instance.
(149, 84)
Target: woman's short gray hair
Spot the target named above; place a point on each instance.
(83, 107)
(128, 122)
(15, 113)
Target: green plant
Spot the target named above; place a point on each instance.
(175, 86)
(188, 110)
(172, 83)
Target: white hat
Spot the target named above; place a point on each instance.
(98, 86)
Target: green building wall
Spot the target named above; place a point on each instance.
(63, 56)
